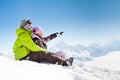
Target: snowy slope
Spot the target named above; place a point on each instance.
(101, 68)
(109, 61)
(26, 70)
(106, 67)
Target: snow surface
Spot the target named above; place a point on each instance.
(101, 68)
(110, 61)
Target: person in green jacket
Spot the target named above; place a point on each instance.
(24, 47)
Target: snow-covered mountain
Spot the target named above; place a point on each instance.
(101, 68)
(85, 53)
(0, 54)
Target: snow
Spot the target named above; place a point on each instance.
(27, 70)
(111, 61)
(101, 68)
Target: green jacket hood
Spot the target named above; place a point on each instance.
(20, 30)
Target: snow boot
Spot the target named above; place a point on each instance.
(68, 62)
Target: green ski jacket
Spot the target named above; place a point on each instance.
(24, 44)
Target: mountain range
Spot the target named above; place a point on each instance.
(81, 52)
(85, 53)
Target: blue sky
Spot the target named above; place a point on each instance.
(83, 21)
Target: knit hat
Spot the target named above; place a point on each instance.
(26, 24)
(37, 30)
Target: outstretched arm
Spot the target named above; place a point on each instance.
(52, 36)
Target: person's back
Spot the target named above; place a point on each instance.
(24, 43)
(19, 49)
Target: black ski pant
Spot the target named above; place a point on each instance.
(44, 57)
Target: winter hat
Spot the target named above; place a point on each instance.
(26, 24)
(37, 30)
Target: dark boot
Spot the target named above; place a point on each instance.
(68, 62)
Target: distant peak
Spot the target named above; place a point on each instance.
(61, 43)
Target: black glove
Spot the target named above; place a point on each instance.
(60, 34)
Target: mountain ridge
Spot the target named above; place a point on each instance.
(85, 53)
